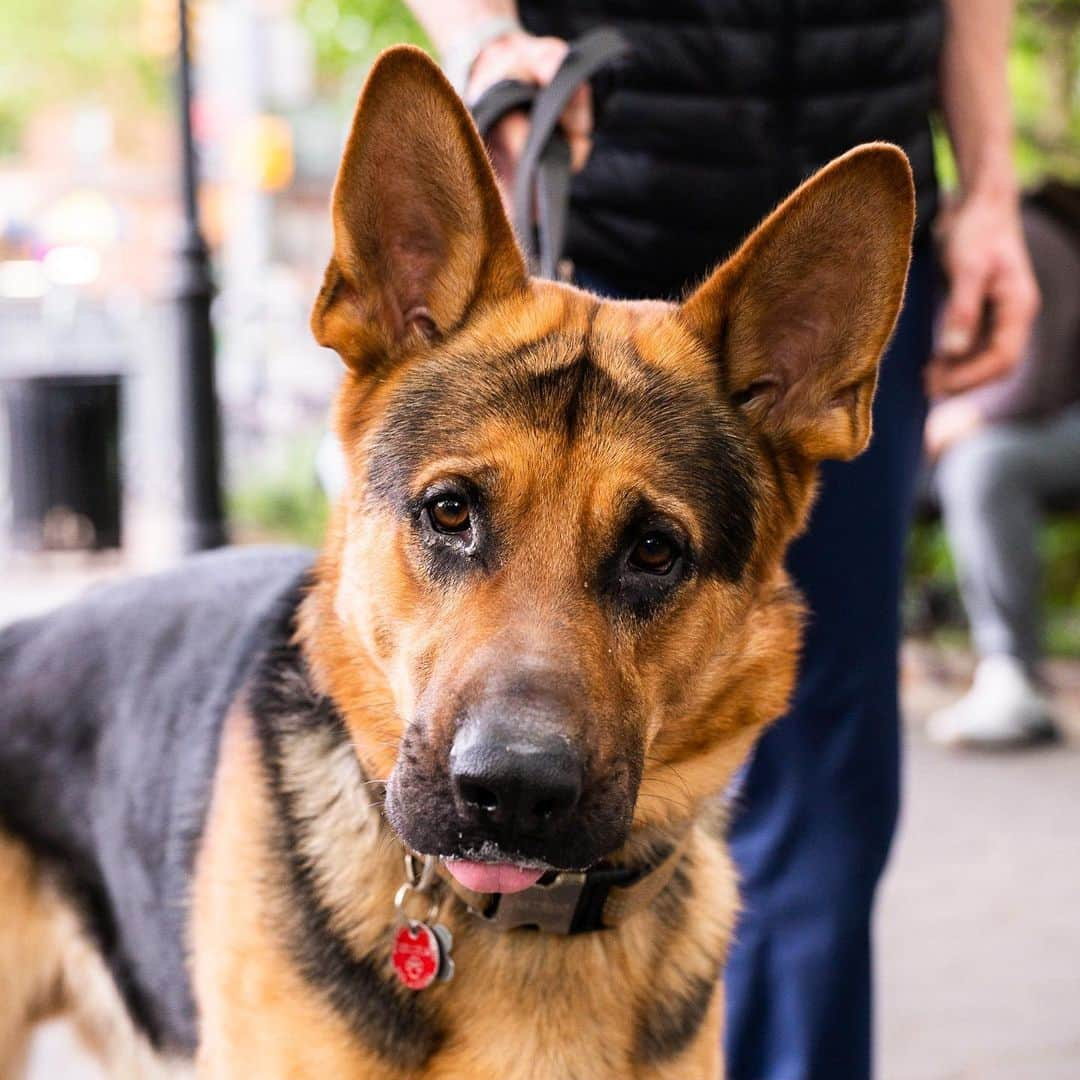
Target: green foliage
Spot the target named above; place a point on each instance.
(1061, 558)
(929, 558)
(84, 50)
(1063, 633)
(1044, 77)
(931, 570)
(1044, 73)
(284, 503)
(349, 34)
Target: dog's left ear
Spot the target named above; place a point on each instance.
(800, 315)
(419, 229)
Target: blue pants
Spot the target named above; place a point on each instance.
(818, 800)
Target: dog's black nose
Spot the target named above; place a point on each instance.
(520, 783)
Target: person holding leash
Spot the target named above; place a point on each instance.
(719, 110)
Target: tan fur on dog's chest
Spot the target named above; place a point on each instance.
(521, 1005)
(257, 1015)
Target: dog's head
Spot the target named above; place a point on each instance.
(553, 601)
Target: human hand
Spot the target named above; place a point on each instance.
(948, 422)
(534, 60)
(987, 264)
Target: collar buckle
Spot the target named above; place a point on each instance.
(549, 907)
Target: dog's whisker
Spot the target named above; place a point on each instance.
(664, 798)
(681, 780)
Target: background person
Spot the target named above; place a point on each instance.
(1003, 450)
(721, 110)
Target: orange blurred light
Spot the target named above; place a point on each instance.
(263, 154)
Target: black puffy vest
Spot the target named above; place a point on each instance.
(724, 106)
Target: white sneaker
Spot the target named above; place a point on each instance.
(1002, 709)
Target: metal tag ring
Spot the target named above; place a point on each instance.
(401, 897)
(423, 880)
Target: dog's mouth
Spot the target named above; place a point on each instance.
(490, 869)
(493, 877)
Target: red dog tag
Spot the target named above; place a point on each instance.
(417, 955)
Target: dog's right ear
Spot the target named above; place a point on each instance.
(800, 315)
(419, 228)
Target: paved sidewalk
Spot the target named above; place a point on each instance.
(979, 924)
(978, 930)
(31, 585)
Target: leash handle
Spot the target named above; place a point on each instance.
(543, 173)
(498, 100)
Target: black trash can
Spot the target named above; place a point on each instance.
(64, 455)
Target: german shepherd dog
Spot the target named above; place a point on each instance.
(247, 803)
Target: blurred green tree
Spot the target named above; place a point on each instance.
(1044, 69)
(349, 34)
(1044, 74)
(79, 50)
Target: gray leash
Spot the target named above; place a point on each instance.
(543, 173)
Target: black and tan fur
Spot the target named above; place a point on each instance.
(206, 779)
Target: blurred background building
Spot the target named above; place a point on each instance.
(90, 219)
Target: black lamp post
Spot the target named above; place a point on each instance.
(200, 432)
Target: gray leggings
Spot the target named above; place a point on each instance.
(992, 488)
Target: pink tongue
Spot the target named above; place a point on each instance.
(493, 877)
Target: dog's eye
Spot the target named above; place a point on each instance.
(654, 553)
(449, 514)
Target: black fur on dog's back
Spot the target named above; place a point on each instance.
(110, 714)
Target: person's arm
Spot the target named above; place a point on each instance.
(984, 253)
(482, 43)
(460, 28)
